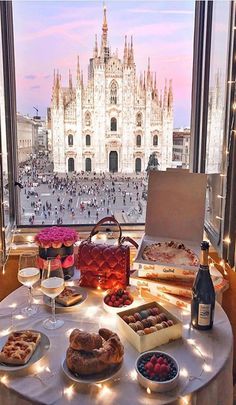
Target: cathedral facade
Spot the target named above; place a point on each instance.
(114, 121)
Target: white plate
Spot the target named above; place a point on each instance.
(79, 290)
(92, 378)
(40, 351)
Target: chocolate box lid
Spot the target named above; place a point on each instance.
(176, 205)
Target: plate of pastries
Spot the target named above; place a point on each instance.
(93, 357)
(69, 299)
(21, 349)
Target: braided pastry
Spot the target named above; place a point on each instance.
(92, 360)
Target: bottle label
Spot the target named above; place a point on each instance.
(204, 314)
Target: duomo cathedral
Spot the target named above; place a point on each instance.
(114, 121)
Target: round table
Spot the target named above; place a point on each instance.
(205, 360)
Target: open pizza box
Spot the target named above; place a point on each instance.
(175, 212)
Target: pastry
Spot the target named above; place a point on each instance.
(68, 297)
(80, 340)
(152, 320)
(19, 347)
(86, 358)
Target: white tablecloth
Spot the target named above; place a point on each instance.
(205, 360)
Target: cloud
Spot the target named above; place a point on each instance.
(156, 11)
(30, 77)
(176, 11)
(35, 87)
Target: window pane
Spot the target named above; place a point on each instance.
(101, 131)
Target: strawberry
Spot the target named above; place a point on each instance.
(110, 303)
(160, 360)
(125, 297)
(127, 302)
(153, 359)
(149, 366)
(116, 304)
(157, 368)
(113, 298)
(164, 369)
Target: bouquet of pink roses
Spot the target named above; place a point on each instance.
(56, 237)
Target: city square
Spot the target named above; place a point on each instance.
(79, 198)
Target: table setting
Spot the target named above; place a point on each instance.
(101, 333)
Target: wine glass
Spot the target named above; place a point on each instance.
(28, 274)
(52, 284)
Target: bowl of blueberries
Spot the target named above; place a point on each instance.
(157, 371)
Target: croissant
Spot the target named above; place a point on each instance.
(92, 361)
(80, 340)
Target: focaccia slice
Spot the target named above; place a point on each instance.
(26, 336)
(19, 347)
(69, 296)
(17, 353)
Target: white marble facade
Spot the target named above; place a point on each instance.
(114, 121)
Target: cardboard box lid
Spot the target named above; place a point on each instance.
(176, 205)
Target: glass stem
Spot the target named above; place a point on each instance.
(29, 298)
(53, 311)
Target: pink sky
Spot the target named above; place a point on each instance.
(50, 35)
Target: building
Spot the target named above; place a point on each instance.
(42, 140)
(181, 147)
(115, 121)
(27, 134)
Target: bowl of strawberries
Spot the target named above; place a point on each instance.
(157, 371)
(117, 299)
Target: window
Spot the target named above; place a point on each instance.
(70, 140)
(113, 92)
(113, 124)
(88, 165)
(88, 140)
(138, 165)
(138, 140)
(139, 119)
(87, 118)
(155, 140)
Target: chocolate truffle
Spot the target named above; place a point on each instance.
(139, 325)
(137, 316)
(152, 319)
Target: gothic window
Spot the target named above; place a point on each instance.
(113, 124)
(88, 140)
(113, 93)
(138, 140)
(87, 118)
(70, 140)
(139, 119)
(155, 140)
(88, 165)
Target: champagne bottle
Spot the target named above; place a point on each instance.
(203, 294)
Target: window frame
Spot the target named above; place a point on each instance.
(199, 117)
(197, 150)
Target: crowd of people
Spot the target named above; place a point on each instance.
(89, 195)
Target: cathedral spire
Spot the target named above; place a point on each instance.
(70, 80)
(104, 47)
(144, 80)
(78, 71)
(170, 96)
(165, 100)
(131, 51)
(95, 51)
(148, 74)
(82, 79)
(155, 82)
(54, 77)
(125, 51)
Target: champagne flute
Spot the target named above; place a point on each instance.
(28, 274)
(52, 284)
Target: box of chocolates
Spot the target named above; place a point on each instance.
(148, 326)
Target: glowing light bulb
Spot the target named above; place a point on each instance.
(207, 368)
(184, 372)
(69, 392)
(149, 391)
(133, 375)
